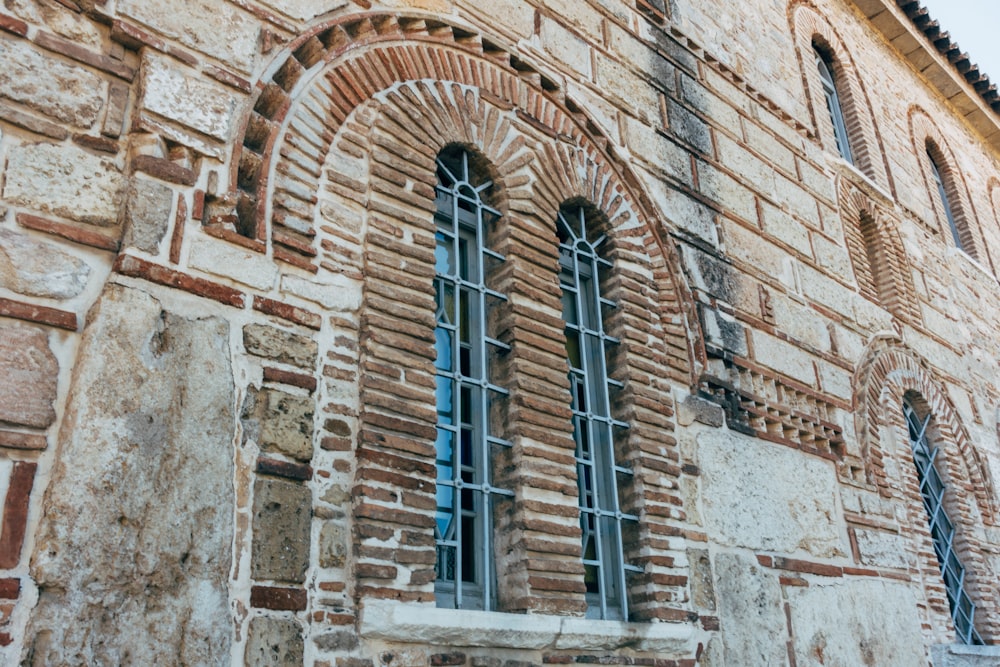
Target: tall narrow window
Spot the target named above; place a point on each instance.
(833, 106)
(466, 438)
(943, 194)
(599, 474)
(932, 492)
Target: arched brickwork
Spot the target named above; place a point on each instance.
(337, 174)
(811, 28)
(323, 75)
(889, 361)
(876, 252)
(890, 373)
(928, 140)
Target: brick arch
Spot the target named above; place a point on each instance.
(890, 373)
(928, 138)
(322, 76)
(810, 27)
(885, 374)
(876, 251)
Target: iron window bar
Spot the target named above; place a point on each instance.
(932, 491)
(464, 568)
(594, 428)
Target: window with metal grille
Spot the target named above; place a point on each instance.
(833, 106)
(600, 476)
(943, 194)
(467, 441)
(932, 491)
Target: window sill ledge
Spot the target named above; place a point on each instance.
(943, 655)
(426, 624)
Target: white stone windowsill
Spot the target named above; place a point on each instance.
(426, 624)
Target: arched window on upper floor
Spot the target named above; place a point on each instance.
(601, 476)
(829, 86)
(468, 435)
(943, 198)
(942, 530)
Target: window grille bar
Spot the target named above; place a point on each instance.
(601, 517)
(932, 491)
(464, 533)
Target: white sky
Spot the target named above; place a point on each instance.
(975, 26)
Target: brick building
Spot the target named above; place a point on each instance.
(363, 333)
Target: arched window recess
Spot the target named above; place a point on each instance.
(601, 475)
(468, 433)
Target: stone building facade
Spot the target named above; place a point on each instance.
(354, 333)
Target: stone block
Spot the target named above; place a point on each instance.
(723, 331)
(333, 542)
(282, 513)
(732, 196)
(274, 642)
(856, 622)
(565, 46)
(286, 424)
(304, 9)
(49, 85)
(960, 655)
(136, 527)
(695, 409)
(147, 214)
(284, 346)
(784, 357)
(681, 210)
(750, 610)
(662, 154)
(763, 496)
(231, 261)
(220, 30)
(881, 549)
(30, 372)
(63, 180)
(36, 268)
(335, 292)
(178, 95)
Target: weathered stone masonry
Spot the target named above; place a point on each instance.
(217, 251)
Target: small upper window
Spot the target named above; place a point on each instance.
(943, 194)
(467, 439)
(932, 491)
(833, 106)
(600, 473)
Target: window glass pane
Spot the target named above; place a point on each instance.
(586, 352)
(464, 553)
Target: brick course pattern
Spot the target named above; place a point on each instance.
(269, 165)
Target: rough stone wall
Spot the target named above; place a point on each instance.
(216, 256)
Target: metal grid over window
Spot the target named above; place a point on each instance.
(943, 194)
(599, 474)
(466, 395)
(932, 490)
(833, 106)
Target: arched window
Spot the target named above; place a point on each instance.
(600, 476)
(932, 492)
(945, 203)
(467, 438)
(833, 105)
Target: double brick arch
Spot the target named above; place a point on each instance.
(336, 174)
(891, 375)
